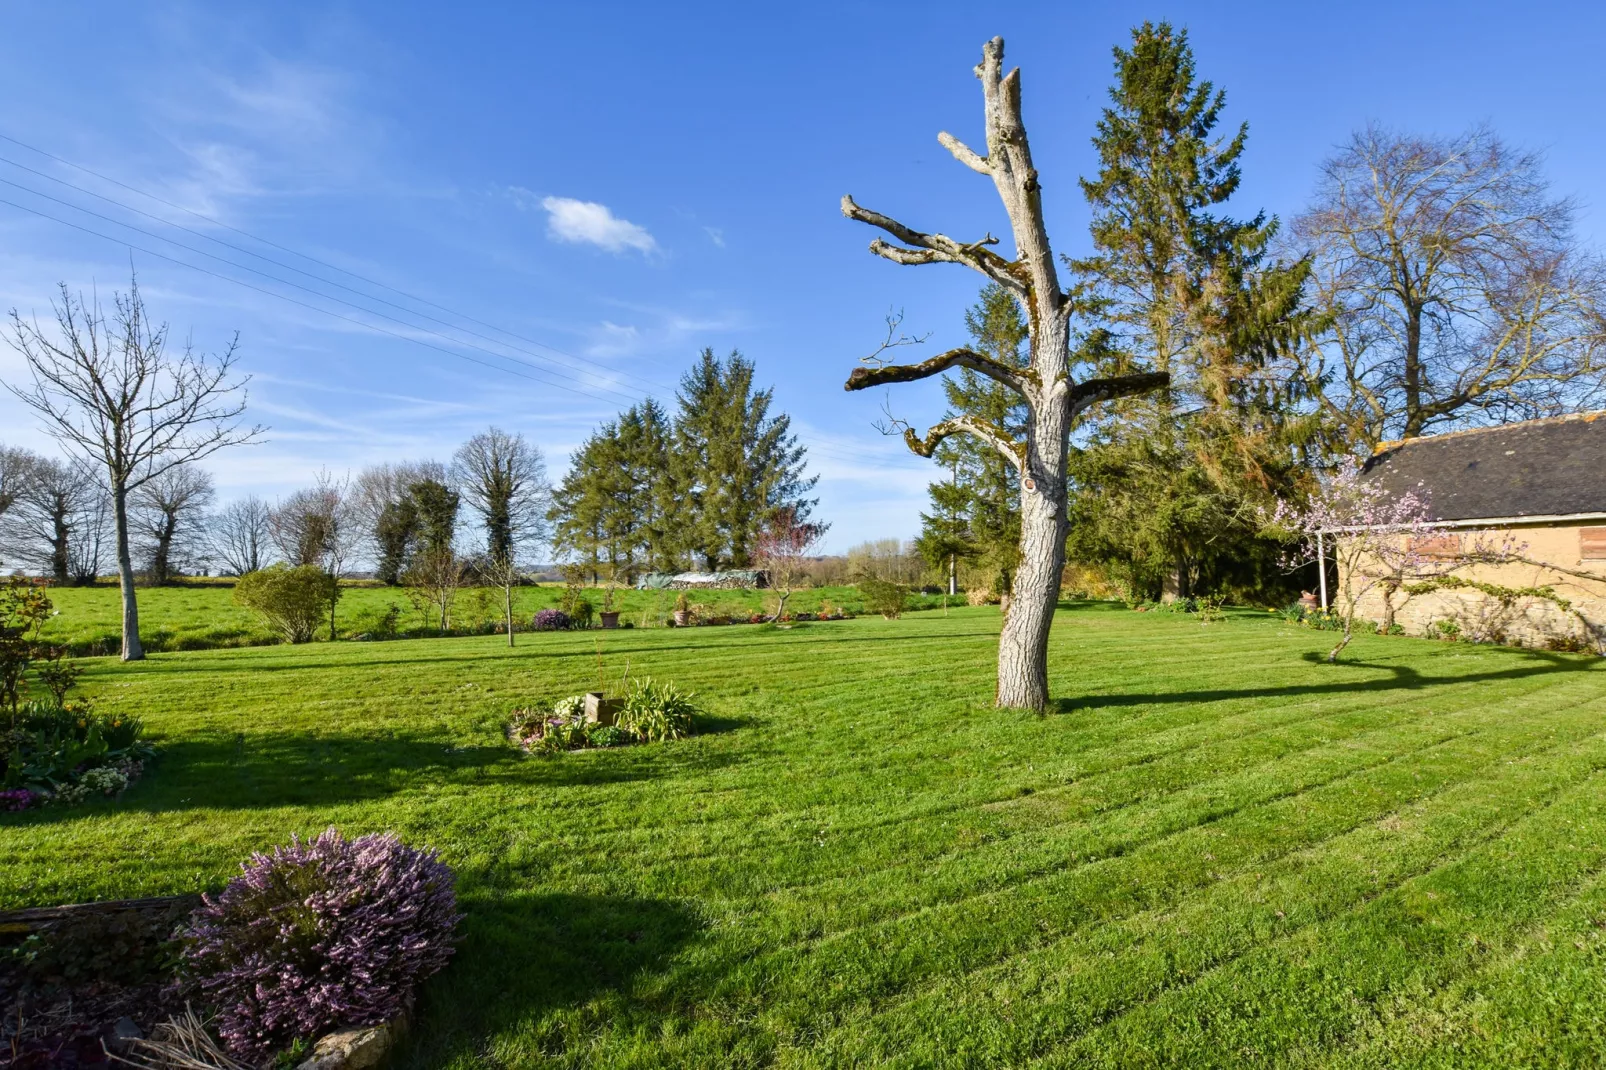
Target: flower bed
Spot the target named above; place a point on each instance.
(650, 713)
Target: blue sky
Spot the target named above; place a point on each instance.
(618, 186)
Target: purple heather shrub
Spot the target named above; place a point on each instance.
(552, 620)
(319, 935)
(17, 799)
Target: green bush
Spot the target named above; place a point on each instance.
(606, 735)
(654, 712)
(884, 597)
(291, 600)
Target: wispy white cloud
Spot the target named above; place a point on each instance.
(590, 223)
(715, 235)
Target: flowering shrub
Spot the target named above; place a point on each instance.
(331, 932)
(572, 708)
(551, 620)
(17, 799)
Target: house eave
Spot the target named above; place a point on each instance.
(1548, 520)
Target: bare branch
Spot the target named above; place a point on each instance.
(965, 154)
(1093, 391)
(863, 378)
(935, 248)
(991, 434)
(893, 340)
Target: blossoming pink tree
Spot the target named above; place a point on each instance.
(1380, 542)
(783, 548)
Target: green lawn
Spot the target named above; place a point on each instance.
(202, 615)
(1217, 853)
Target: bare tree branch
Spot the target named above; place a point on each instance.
(1093, 391)
(965, 154)
(991, 434)
(863, 378)
(935, 248)
(894, 340)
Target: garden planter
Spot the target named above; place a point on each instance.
(682, 617)
(610, 618)
(600, 710)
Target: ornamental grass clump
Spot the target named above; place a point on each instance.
(319, 935)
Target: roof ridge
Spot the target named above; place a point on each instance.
(1400, 443)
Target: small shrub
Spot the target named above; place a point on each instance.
(292, 600)
(654, 712)
(1448, 630)
(606, 735)
(884, 597)
(551, 620)
(328, 933)
(980, 596)
(582, 613)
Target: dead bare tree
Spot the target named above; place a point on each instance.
(112, 395)
(1054, 398)
(1454, 287)
(170, 514)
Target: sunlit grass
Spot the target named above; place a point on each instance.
(1216, 852)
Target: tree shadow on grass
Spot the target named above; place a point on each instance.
(524, 956)
(263, 771)
(1400, 678)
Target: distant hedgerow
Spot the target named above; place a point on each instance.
(317, 935)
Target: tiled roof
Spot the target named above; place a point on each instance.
(1546, 467)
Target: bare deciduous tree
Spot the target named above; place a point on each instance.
(54, 509)
(1054, 397)
(240, 538)
(169, 513)
(110, 392)
(14, 467)
(1455, 287)
(319, 525)
(503, 479)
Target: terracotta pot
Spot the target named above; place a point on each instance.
(682, 616)
(610, 618)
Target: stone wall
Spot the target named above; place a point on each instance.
(1527, 621)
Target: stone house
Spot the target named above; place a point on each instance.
(1539, 486)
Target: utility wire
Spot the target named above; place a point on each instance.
(271, 244)
(569, 365)
(829, 451)
(306, 289)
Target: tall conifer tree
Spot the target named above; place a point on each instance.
(1167, 488)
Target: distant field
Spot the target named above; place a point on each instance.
(1216, 853)
(203, 616)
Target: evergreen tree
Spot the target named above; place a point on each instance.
(1168, 486)
(977, 512)
(734, 466)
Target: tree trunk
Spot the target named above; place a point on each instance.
(132, 650)
(1023, 643)
(507, 608)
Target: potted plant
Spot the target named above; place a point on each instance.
(682, 611)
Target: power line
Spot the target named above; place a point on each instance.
(298, 286)
(286, 249)
(293, 301)
(632, 397)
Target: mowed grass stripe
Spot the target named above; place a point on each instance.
(1312, 989)
(968, 932)
(1069, 986)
